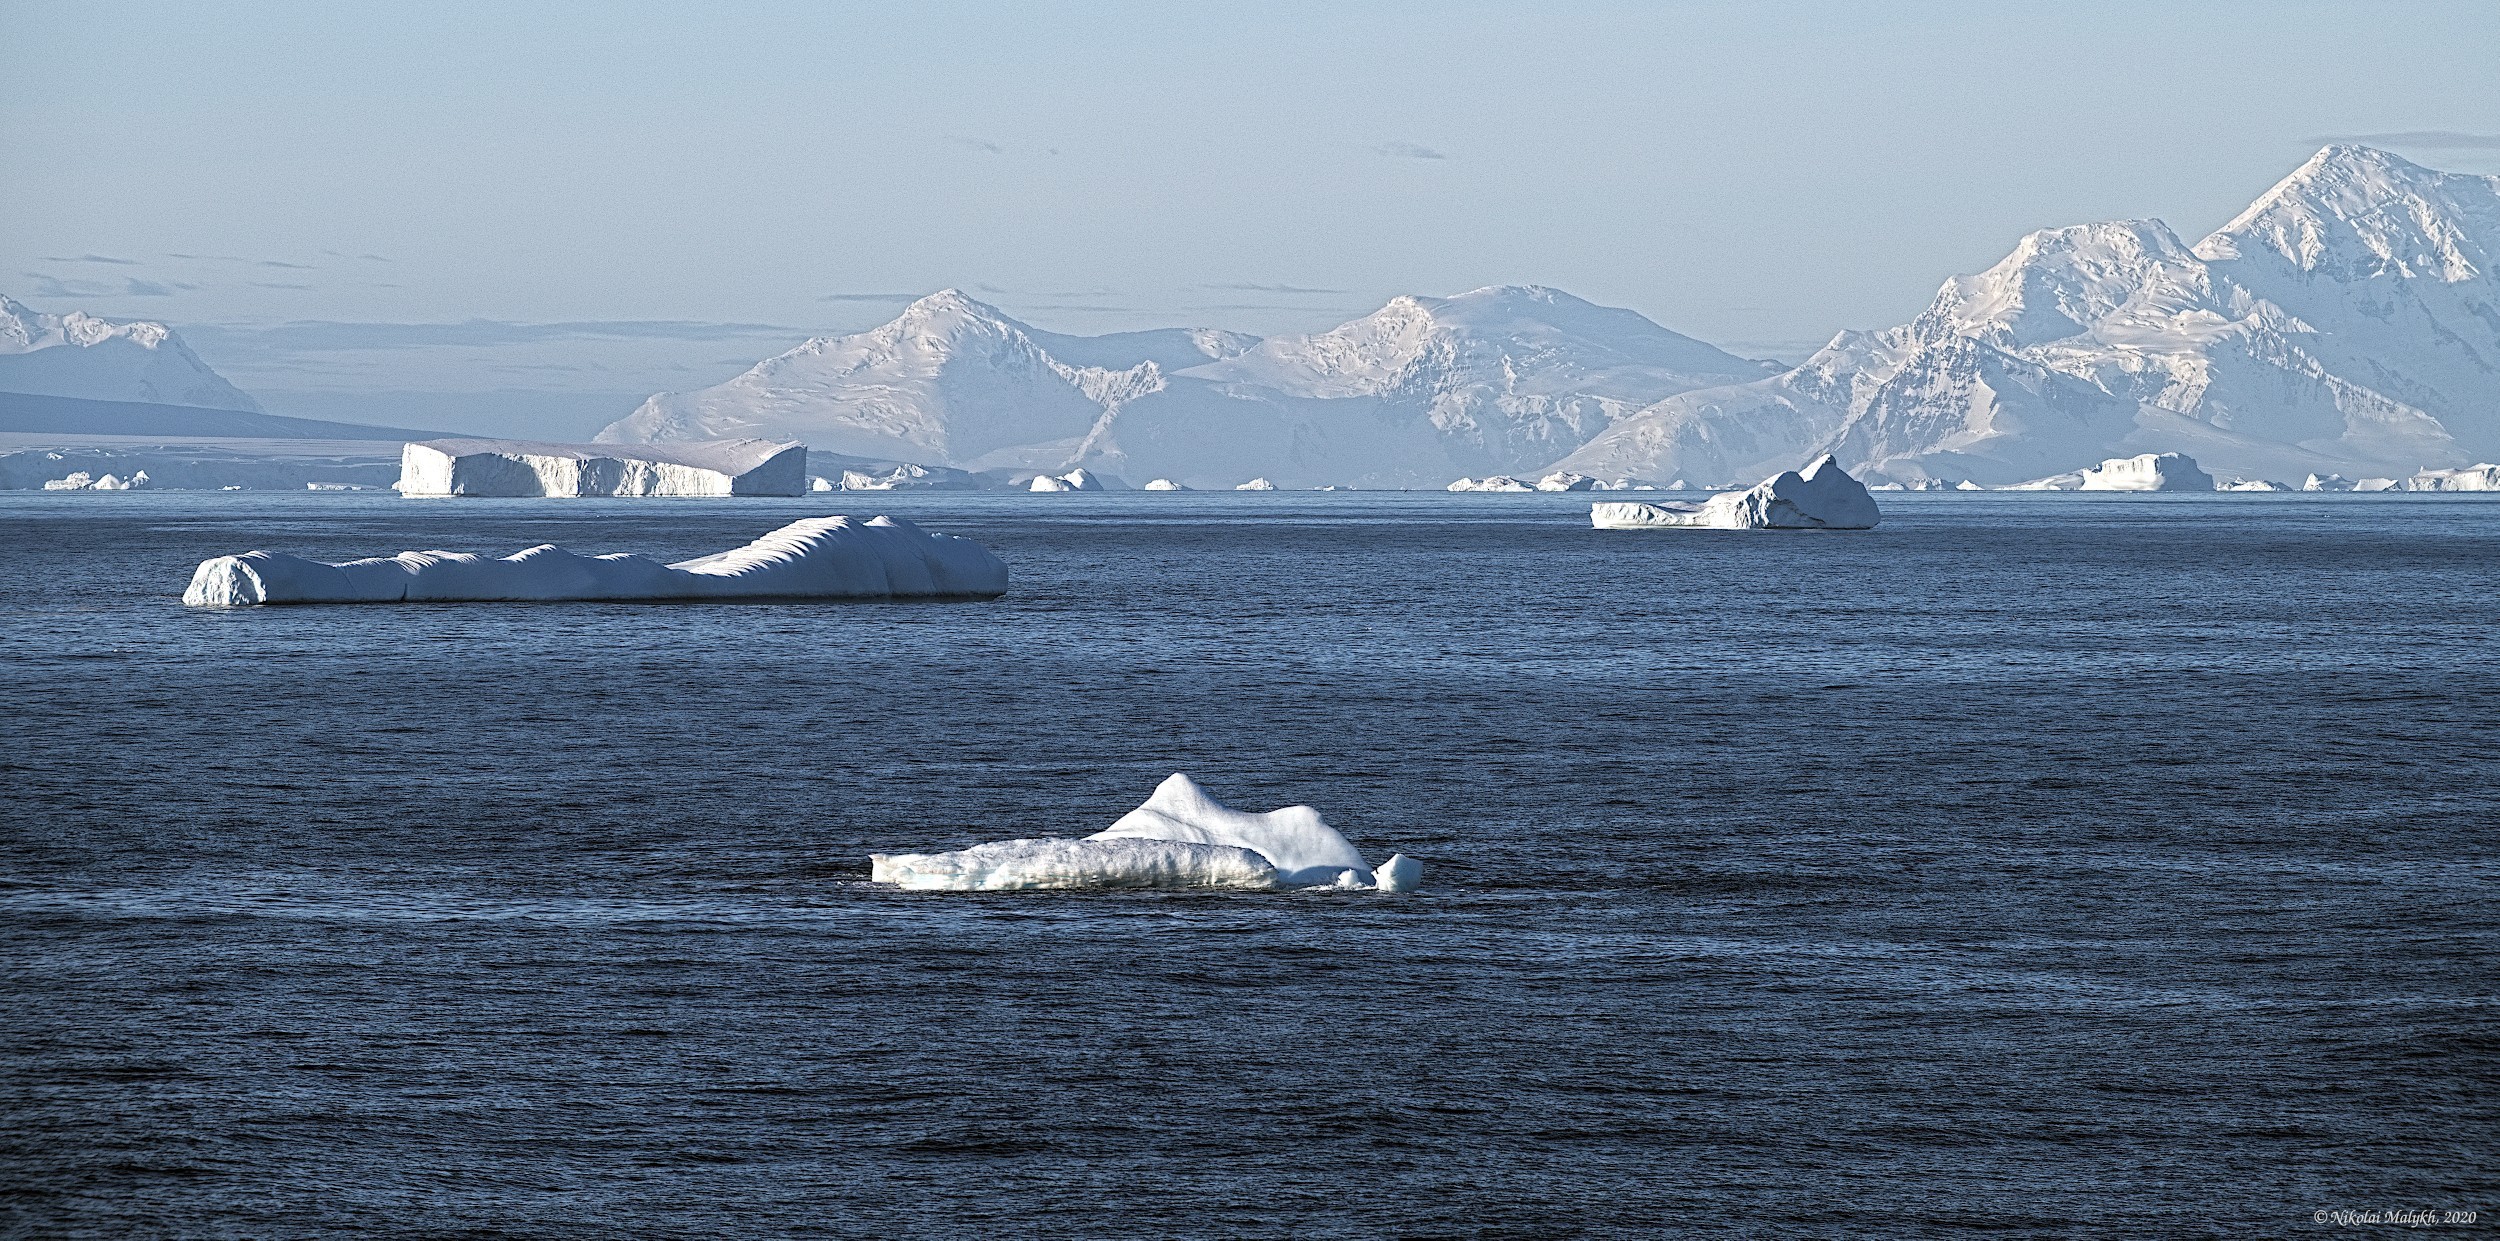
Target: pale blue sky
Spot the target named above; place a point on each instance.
(1759, 175)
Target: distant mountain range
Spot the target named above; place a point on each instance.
(78, 355)
(2347, 322)
(1419, 392)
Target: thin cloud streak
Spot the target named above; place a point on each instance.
(1409, 150)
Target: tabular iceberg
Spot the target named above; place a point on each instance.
(2471, 478)
(2152, 471)
(1821, 497)
(1181, 838)
(463, 467)
(818, 558)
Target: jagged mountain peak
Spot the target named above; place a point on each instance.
(2059, 282)
(2355, 212)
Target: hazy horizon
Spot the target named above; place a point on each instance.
(688, 192)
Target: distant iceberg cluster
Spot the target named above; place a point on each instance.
(1180, 838)
(1821, 497)
(819, 558)
(466, 467)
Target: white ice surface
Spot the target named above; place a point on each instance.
(2152, 471)
(1013, 865)
(482, 467)
(2471, 478)
(817, 558)
(1180, 837)
(1821, 497)
(1302, 845)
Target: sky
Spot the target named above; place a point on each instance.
(561, 207)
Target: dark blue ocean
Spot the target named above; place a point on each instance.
(2042, 865)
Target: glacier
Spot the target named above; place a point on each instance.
(490, 467)
(1821, 497)
(1181, 837)
(2165, 471)
(816, 558)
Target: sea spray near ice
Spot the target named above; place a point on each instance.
(817, 558)
(1180, 838)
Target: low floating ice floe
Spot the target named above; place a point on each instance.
(1821, 497)
(818, 558)
(1181, 838)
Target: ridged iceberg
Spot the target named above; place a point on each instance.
(818, 558)
(1821, 497)
(1181, 838)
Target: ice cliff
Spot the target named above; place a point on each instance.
(478, 467)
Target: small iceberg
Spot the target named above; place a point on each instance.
(1181, 838)
(1164, 484)
(1821, 497)
(818, 558)
(1257, 484)
(2152, 471)
(1497, 482)
(1073, 480)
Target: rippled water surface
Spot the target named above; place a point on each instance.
(2047, 864)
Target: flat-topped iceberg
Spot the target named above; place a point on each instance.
(1180, 838)
(2152, 471)
(1820, 497)
(818, 558)
(2470, 478)
(480, 467)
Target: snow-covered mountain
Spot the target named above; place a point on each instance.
(79, 355)
(1416, 393)
(951, 381)
(2348, 321)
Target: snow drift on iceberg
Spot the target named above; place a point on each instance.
(818, 558)
(1181, 838)
(1821, 497)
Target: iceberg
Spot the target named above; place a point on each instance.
(473, 467)
(1180, 838)
(817, 558)
(1821, 497)
(1565, 480)
(81, 480)
(2327, 482)
(1073, 480)
(1257, 484)
(2152, 471)
(2471, 478)
(1025, 865)
(1164, 484)
(2254, 484)
(1497, 482)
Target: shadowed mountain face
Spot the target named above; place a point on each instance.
(2347, 321)
(79, 355)
(1423, 389)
